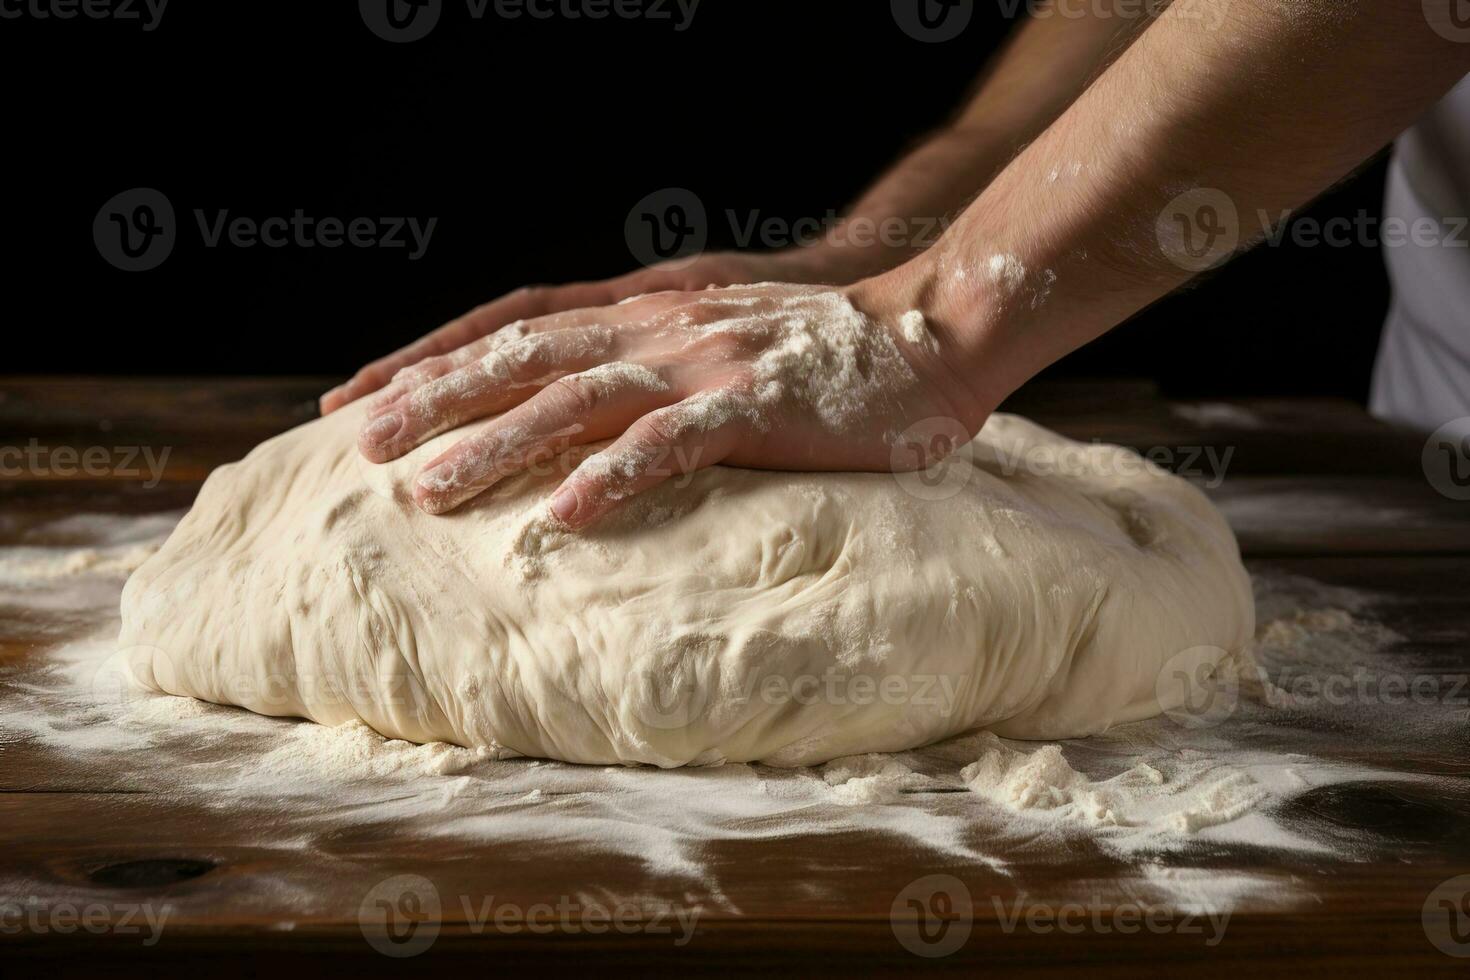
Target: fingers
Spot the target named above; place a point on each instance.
(377, 374)
(574, 409)
(471, 387)
(698, 432)
(505, 340)
(523, 304)
(420, 373)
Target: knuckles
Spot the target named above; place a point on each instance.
(574, 396)
(661, 428)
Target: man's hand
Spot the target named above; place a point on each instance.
(773, 376)
(1049, 62)
(714, 269)
(1026, 87)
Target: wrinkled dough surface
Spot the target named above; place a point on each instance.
(735, 615)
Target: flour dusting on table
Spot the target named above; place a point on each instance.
(1150, 793)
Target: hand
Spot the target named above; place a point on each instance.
(714, 269)
(774, 376)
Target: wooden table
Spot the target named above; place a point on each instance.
(1313, 487)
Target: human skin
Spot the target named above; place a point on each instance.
(1260, 103)
(1046, 65)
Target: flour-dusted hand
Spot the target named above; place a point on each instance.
(714, 269)
(773, 376)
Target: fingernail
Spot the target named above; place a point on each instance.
(564, 505)
(440, 479)
(435, 506)
(383, 429)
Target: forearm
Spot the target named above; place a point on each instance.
(1265, 103)
(1052, 58)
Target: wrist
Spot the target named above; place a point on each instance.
(954, 350)
(845, 254)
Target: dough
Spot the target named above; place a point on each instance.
(1031, 585)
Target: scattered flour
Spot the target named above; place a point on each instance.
(1197, 793)
(1221, 414)
(1150, 794)
(916, 331)
(1006, 271)
(815, 347)
(617, 470)
(1004, 278)
(871, 778)
(22, 564)
(616, 375)
(356, 748)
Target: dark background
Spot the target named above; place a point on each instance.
(530, 141)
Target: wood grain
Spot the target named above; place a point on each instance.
(1316, 489)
